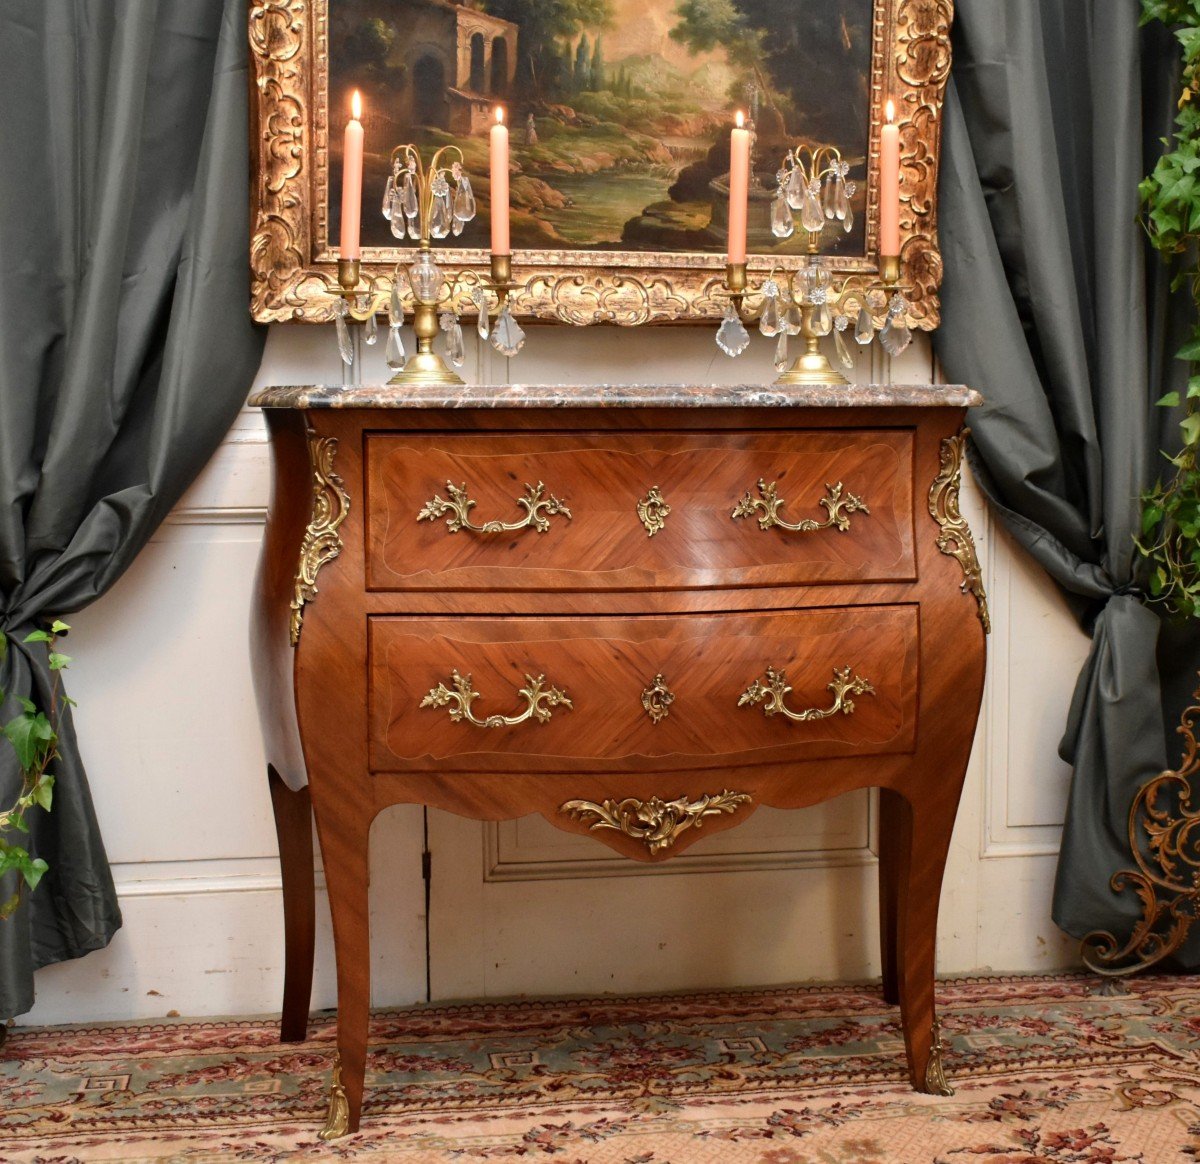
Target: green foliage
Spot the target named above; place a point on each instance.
(33, 736)
(1170, 197)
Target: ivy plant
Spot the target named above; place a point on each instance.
(1170, 200)
(33, 736)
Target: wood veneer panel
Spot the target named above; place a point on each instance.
(604, 664)
(601, 477)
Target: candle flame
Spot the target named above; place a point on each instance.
(740, 118)
(499, 115)
(356, 106)
(891, 111)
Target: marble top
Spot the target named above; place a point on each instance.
(617, 396)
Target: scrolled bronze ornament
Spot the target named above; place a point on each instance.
(955, 537)
(936, 1082)
(458, 697)
(657, 699)
(539, 508)
(1164, 841)
(337, 1117)
(322, 542)
(653, 511)
(838, 503)
(657, 823)
(774, 692)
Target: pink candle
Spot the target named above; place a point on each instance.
(352, 175)
(499, 191)
(739, 190)
(889, 185)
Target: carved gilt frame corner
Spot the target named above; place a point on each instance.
(293, 277)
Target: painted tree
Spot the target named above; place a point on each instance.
(810, 52)
(583, 65)
(542, 25)
(598, 65)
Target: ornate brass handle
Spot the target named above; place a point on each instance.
(539, 508)
(776, 688)
(539, 697)
(839, 503)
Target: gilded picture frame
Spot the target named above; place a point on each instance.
(295, 138)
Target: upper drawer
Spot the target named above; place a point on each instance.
(584, 530)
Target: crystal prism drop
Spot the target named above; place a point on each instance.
(395, 307)
(829, 198)
(768, 322)
(795, 189)
(732, 336)
(894, 335)
(448, 322)
(483, 325)
(464, 200)
(425, 277)
(848, 220)
(782, 225)
(394, 351)
(821, 320)
(812, 218)
(439, 216)
(398, 223)
(864, 328)
(507, 337)
(456, 226)
(843, 352)
(371, 330)
(781, 358)
(841, 201)
(388, 191)
(793, 320)
(345, 346)
(408, 196)
(414, 228)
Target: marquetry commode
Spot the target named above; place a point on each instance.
(639, 611)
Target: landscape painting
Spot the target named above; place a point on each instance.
(619, 110)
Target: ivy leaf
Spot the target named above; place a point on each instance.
(43, 792)
(1151, 516)
(58, 627)
(58, 661)
(1169, 400)
(1191, 428)
(41, 636)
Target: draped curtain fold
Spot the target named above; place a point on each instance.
(126, 350)
(1057, 310)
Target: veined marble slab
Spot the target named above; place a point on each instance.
(617, 396)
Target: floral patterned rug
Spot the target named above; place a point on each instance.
(1045, 1071)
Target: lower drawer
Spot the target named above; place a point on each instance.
(640, 693)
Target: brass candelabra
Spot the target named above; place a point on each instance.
(806, 303)
(427, 202)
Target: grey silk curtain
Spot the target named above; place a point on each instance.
(126, 349)
(1055, 308)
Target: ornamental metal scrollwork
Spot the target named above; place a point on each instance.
(657, 823)
(955, 537)
(1167, 878)
(773, 693)
(322, 542)
(936, 1082)
(460, 695)
(538, 507)
(653, 511)
(657, 699)
(836, 501)
(337, 1117)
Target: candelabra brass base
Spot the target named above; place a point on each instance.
(426, 368)
(812, 368)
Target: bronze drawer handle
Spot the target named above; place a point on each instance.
(539, 508)
(776, 688)
(539, 697)
(839, 504)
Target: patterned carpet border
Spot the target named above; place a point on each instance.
(1046, 1071)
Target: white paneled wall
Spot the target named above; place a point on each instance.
(167, 723)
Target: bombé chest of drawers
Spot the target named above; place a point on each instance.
(641, 612)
